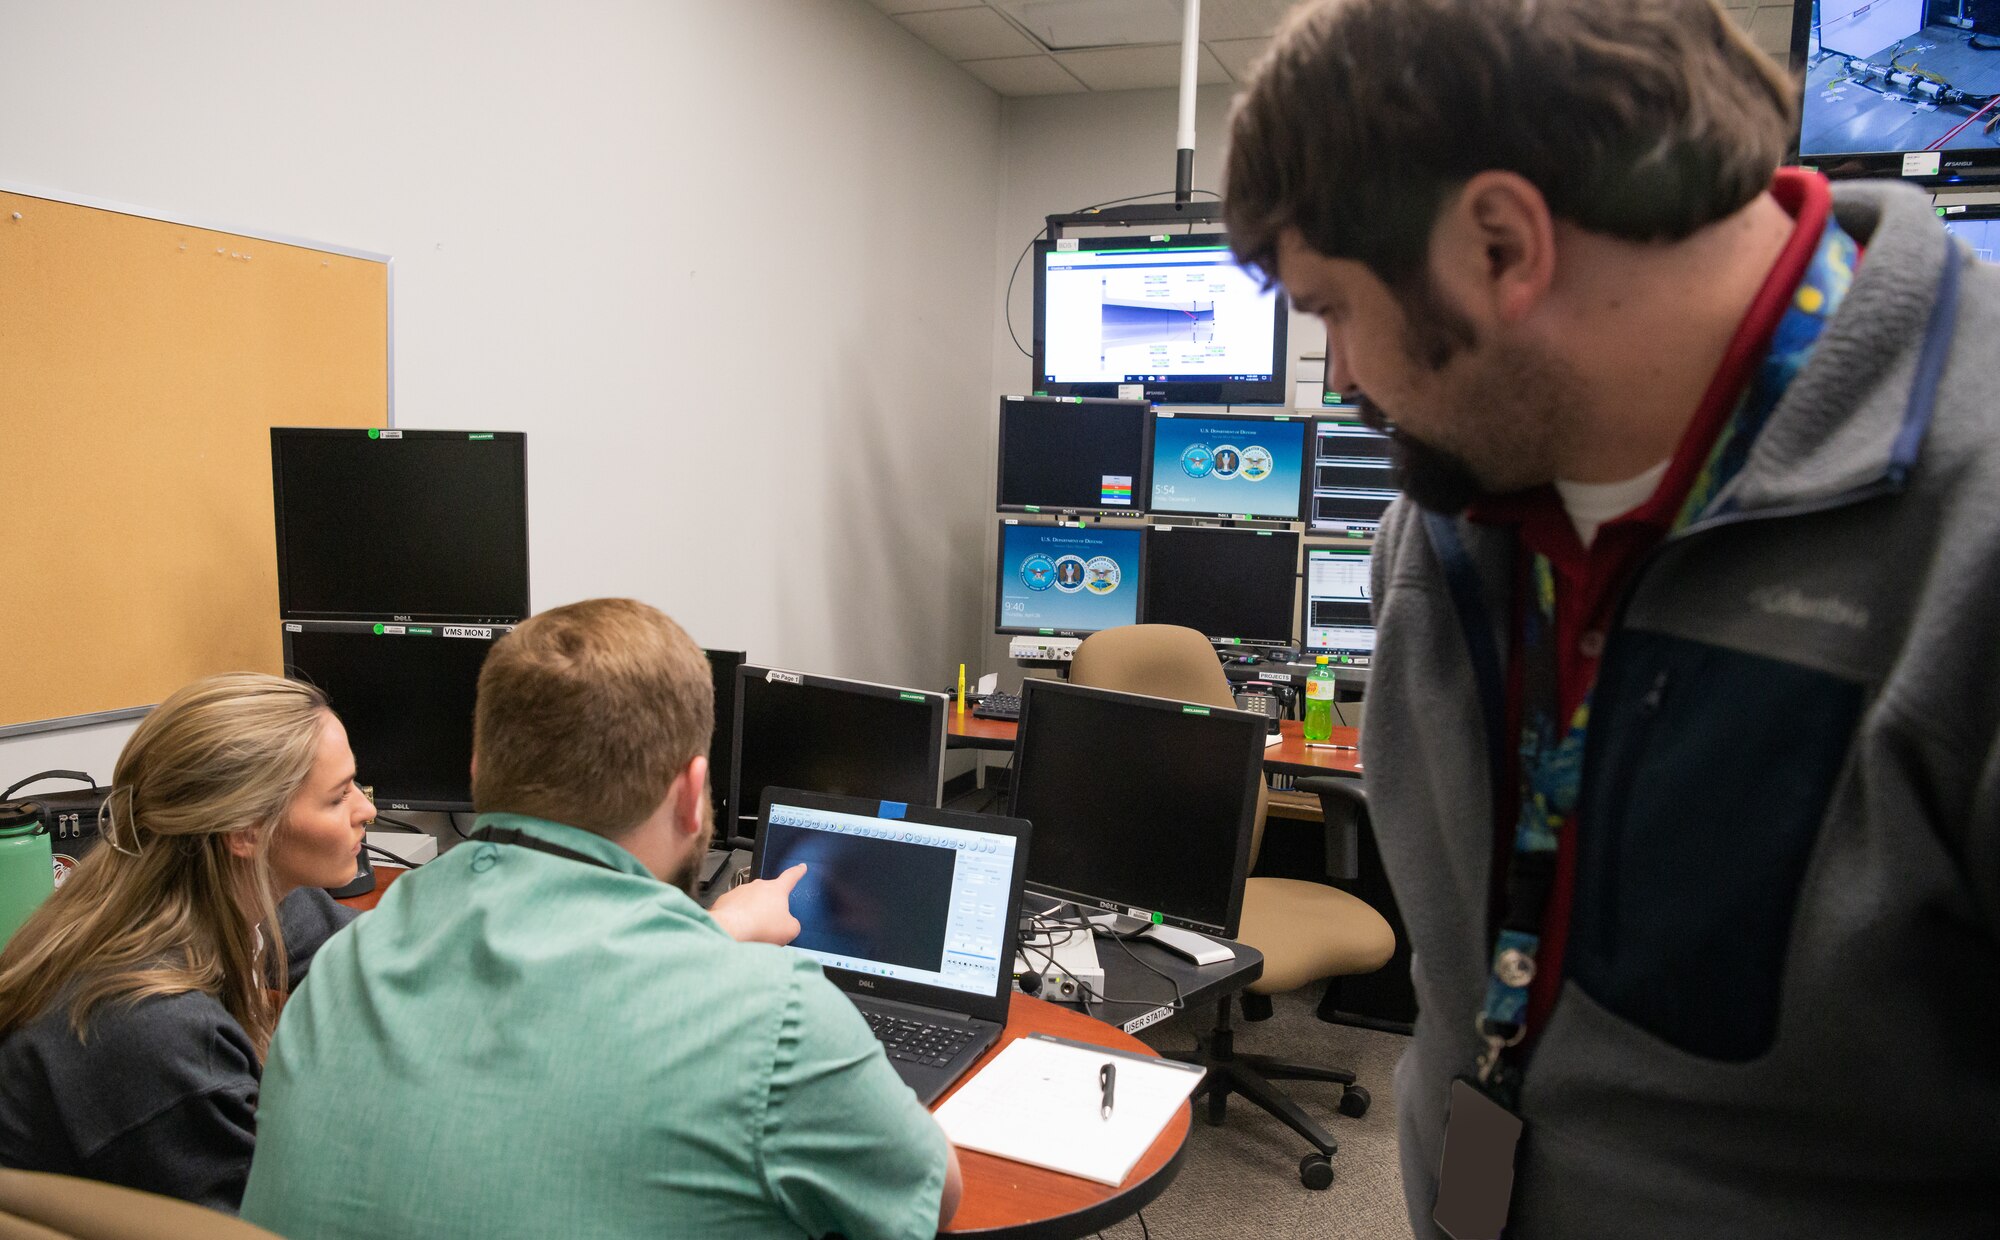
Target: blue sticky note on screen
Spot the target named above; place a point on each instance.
(894, 809)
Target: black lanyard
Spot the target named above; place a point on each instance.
(521, 839)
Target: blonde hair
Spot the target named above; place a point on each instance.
(162, 906)
(587, 713)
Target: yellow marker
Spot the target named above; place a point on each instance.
(961, 688)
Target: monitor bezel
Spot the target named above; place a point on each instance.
(1257, 726)
(517, 440)
(1306, 650)
(725, 715)
(1274, 391)
(933, 702)
(1307, 476)
(1217, 534)
(1964, 166)
(1305, 420)
(387, 799)
(1142, 483)
(1000, 572)
(980, 1006)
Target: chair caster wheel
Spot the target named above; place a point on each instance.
(1354, 1102)
(1316, 1172)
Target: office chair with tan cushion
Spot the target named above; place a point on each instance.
(37, 1206)
(1306, 930)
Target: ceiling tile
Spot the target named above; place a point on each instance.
(1024, 75)
(1138, 68)
(1243, 19)
(1239, 56)
(1087, 24)
(918, 6)
(968, 34)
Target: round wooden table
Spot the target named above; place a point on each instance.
(1006, 1200)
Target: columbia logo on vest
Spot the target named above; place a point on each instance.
(1796, 604)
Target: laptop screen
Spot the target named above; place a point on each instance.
(892, 898)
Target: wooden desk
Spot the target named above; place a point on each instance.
(1006, 1200)
(1288, 757)
(1010, 1200)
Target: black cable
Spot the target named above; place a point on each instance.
(1145, 1232)
(1007, 301)
(453, 816)
(400, 824)
(386, 855)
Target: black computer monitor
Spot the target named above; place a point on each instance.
(1212, 465)
(1141, 805)
(405, 694)
(410, 525)
(1353, 478)
(722, 665)
(1337, 620)
(1171, 319)
(1064, 581)
(1071, 454)
(841, 737)
(1977, 225)
(1896, 88)
(1231, 586)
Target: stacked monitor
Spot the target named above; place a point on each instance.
(1074, 454)
(1168, 319)
(1338, 621)
(1210, 465)
(1142, 806)
(1353, 479)
(402, 556)
(1235, 587)
(1066, 580)
(1978, 226)
(839, 737)
(1901, 88)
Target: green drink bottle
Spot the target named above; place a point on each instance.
(1319, 701)
(27, 866)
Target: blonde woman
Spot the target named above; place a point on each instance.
(136, 1005)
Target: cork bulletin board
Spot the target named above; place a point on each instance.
(142, 365)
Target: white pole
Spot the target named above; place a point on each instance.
(1184, 139)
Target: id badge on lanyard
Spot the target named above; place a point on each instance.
(1476, 1181)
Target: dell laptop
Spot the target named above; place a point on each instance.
(911, 911)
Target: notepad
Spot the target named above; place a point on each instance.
(1038, 1102)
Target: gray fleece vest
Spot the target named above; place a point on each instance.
(1780, 1013)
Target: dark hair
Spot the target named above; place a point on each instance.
(1639, 119)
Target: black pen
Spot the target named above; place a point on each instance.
(1107, 1080)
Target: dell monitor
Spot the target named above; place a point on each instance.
(1978, 226)
(1897, 88)
(1338, 620)
(722, 665)
(1231, 586)
(406, 694)
(425, 526)
(1074, 454)
(840, 737)
(1169, 319)
(1210, 465)
(1353, 479)
(1062, 581)
(1141, 805)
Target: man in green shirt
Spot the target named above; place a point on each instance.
(541, 1034)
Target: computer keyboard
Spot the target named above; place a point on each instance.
(917, 1041)
(998, 706)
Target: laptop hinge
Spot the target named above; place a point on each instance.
(915, 1011)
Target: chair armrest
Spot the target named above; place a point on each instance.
(1343, 804)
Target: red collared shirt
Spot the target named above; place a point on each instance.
(1590, 580)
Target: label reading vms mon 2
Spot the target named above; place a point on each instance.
(468, 630)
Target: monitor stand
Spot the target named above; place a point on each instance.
(1188, 945)
(361, 884)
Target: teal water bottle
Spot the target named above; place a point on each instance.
(1319, 702)
(27, 866)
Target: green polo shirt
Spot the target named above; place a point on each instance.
(519, 1044)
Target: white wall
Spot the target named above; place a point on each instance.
(728, 264)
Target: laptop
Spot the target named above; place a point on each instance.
(911, 911)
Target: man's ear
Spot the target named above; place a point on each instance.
(1495, 246)
(693, 781)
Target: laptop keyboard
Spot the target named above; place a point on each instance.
(917, 1041)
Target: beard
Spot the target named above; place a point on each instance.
(690, 868)
(1433, 477)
